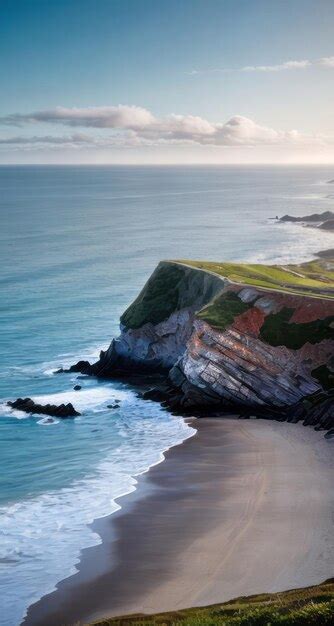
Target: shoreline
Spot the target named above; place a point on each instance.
(236, 492)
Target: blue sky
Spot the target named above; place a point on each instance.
(220, 80)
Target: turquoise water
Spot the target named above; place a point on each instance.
(77, 243)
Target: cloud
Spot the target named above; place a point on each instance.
(128, 126)
(325, 62)
(121, 116)
(47, 139)
(288, 65)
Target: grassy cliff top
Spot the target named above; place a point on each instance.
(174, 285)
(312, 278)
(299, 607)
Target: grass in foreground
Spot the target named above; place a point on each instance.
(311, 606)
(315, 277)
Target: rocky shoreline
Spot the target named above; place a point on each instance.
(324, 221)
(315, 410)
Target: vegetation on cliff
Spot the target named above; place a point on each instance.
(167, 290)
(315, 277)
(311, 606)
(278, 330)
(222, 311)
(157, 300)
(171, 287)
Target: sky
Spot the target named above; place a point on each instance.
(167, 81)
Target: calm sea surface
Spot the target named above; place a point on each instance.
(77, 243)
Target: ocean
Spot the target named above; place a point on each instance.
(77, 244)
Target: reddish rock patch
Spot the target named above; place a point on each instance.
(312, 309)
(250, 321)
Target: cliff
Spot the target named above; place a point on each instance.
(256, 337)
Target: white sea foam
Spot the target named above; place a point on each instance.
(92, 399)
(304, 242)
(41, 537)
(48, 421)
(66, 359)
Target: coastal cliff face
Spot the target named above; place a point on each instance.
(227, 344)
(155, 329)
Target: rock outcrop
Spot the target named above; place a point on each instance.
(324, 220)
(327, 225)
(224, 344)
(314, 217)
(29, 406)
(326, 254)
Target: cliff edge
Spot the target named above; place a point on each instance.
(228, 335)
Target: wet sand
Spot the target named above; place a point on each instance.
(243, 507)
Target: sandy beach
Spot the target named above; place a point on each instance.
(244, 506)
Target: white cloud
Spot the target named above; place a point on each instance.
(288, 65)
(124, 126)
(121, 116)
(326, 62)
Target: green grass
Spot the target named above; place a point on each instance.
(277, 330)
(222, 311)
(157, 300)
(315, 277)
(311, 606)
(168, 288)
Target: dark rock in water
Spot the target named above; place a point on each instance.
(327, 225)
(330, 434)
(84, 367)
(324, 220)
(77, 387)
(113, 406)
(326, 254)
(314, 217)
(29, 406)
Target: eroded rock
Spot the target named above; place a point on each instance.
(29, 406)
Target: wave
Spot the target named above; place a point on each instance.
(301, 245)
(48, 368)
(42, 537)
(92, 399)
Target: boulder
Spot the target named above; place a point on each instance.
(29, 406)
(84, 367)
(327, 225)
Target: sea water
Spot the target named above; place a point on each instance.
(77, 244)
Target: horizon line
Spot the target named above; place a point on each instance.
(122, 164)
